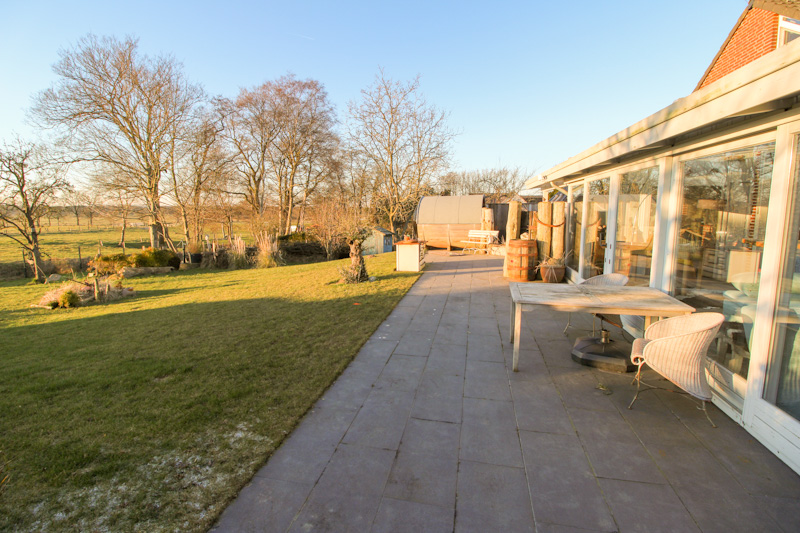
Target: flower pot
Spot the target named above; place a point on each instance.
(552, 274)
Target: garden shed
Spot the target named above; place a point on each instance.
(445, 221)
(379, 241)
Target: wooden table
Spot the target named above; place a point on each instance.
(642, 301)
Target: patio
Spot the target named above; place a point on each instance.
(429, 430)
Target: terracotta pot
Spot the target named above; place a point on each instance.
(552, 274)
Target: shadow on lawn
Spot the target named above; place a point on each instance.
(168, 378)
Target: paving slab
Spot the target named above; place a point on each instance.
(428, 429)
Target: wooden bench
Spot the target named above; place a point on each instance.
(479, 239)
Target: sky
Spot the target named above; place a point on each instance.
(526, 84)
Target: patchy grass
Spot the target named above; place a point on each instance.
(149, 414)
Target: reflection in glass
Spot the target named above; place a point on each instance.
(575, 228)
(595, 232)
(721, 239)
(636, 221)
(783, 373)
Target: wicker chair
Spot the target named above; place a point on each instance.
(612, 280)
(676, 349)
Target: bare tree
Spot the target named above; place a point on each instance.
(29, 181)
(196, 166)
(283, 143)
(495, 183)
(73, 203)
(303, 149)
(249, 130)
(123, 109)
(405, 140)
(112, 184)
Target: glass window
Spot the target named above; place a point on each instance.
(721, 239)
(783, 374)
(576, 213)
(595, 232)
(636, 221)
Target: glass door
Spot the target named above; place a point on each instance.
(575, 226)
(724, 204)
(636, 222)
(772, 407)
(594, 231)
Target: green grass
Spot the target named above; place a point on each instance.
(64, 244)
(151, 413)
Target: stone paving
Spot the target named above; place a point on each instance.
(429, 430)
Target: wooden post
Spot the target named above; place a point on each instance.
(543, 234)
(448, 238)
(558, 231)
(487, 219)
(514, 220)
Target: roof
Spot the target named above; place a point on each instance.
(787, 8)
(382, 230)
(450, 209)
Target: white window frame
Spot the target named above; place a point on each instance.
(785, 26)
(777, 430)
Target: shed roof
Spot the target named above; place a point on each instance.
(450, 209)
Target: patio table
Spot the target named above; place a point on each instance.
(642, 301)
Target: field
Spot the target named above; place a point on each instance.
(64, 244)
(149, 414)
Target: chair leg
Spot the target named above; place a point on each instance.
(705, 412)
(638, 381)
(569, 318)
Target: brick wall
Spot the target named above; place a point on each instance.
(756, 35)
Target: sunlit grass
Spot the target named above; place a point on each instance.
(64, 244)
(151, 413)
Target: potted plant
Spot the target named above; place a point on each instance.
(552, 269)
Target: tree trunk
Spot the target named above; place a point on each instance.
(514, 220)
(487, 219)
(358, 270)
(122, 233)
(37, 259)
(543, 233)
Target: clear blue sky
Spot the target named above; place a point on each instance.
(527, 84)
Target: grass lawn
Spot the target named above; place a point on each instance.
(150, 413)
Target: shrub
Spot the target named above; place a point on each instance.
(237, 256)
(299, 236)
(156, 258)
(69, 299)
(109, 264)
(269, 253)
(167, 258)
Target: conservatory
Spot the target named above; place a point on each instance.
(702, 200)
